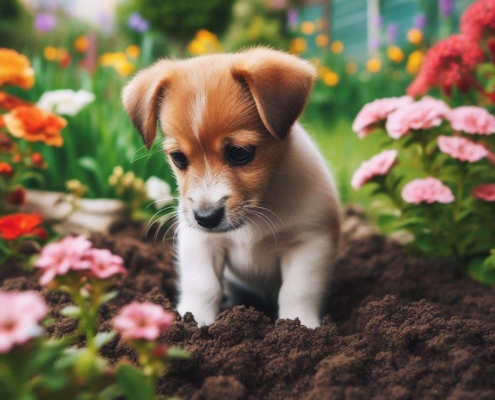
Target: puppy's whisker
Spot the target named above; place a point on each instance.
(156, 201)
(166, 218)
(166, 233)
(150, 224)
(266, 220)
(270, 211)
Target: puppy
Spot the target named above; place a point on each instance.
(258, 206)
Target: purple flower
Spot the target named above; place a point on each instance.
(45, 22)
(375, 43)
(392, 32)
(138, 23)
(292, 18)
(378, 22)
(446, 7)
(420, 21)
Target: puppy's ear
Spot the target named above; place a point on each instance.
(142, 98)
(279, 83)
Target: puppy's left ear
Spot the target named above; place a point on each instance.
(279, 83)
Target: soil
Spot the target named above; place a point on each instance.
(396, 327)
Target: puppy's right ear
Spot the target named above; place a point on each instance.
(142, 98)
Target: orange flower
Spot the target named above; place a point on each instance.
(14, 226)
(35, 125)
(2, 122)
(81, 44)
(9, 102)
(37, 159)
(15, 69)
(6, 169)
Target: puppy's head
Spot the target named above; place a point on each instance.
(225, 119)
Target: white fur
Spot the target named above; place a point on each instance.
(286, 249)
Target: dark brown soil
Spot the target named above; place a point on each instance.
(396, 328)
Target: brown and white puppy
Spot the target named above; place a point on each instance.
(258, 206)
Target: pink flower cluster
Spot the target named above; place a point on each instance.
(462, 149)
(142, 321)
(428, 190)
(376, 166)
(484, 192)
(77, 254)
(472, 120)
(20, 314)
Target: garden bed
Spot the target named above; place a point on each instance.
(396, 328)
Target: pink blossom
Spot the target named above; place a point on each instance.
(377, 165)
(60, 257)
(462, 149)
(373, 113)
(424, 114)
(142, 321)
(429, 190)
(473, 120)
(484, 192)
(20, 313)
(104, 264)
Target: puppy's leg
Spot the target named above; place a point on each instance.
(306, 269)
(200, 271)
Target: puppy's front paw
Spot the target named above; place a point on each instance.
(308, 319)
(201, 315)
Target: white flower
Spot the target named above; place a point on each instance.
(159, 191)
(65, 101)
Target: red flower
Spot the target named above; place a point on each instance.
(6, 143)
(17, 197)
(447, 64)
(37, 159)
(478, 21)
(14, 226)
(9, 102)
(6, 169)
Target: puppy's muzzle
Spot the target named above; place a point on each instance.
(209, 218)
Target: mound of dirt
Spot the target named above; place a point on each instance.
(396, 328)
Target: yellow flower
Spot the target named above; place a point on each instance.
(374, 65)
(323, 70)
(298, 45)
(351, 68)
(133, 51)
(415, 36)
(81, 44)
(337, 47)
(110, 59)
(206, 36)
(15, 69)
(124, 68)
(331, 78)
(414, 62)
(322, 40)
(395, 54)
(307, 28)
(205, 42)
(197, 47)
(50, 53)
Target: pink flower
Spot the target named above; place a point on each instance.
(20, 313)
(461, 148)
(429, 190)
(377, 165)
(473, 120)
(373, 113)
(484, 192)
(142, 321)
(104, 264)
(424, 114)
(60, 257)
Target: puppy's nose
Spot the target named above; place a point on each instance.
(209, 218)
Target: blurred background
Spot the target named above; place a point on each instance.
(363, 49)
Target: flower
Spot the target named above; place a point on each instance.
(395, 54)
(159, 191)
(60, 257)
(420, 21)
(81, 44)
(446, 7)
(414, 62)
(392, 32)
(351, 68)
(37, 159)
(298, 45)
(423, 114)
(9, 102)
(118, 61)
(415, 36)
(462, 149)
(20, 315)
(373, 65)
(45, 22)
(18, 198)
(331, 78)
(376, 166)
(472, 119)
(484, 192)
(428, 190)
(6, 143)
(478, 21)
(65, 101)
(15, 69)
(137, 23)
(104, 264)
(322, 40)
(373, 113)
(307, 28)
(6, 169)
(337, 47)
(142, 321)
(14, 226)
(133, 51)
(448, 63)
(35, 125)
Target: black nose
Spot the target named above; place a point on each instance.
(209, 218)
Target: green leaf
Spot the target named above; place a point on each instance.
(71, 311)
(103, 338)
(477, 270)
(110, 393)
(107, 297)
(176, 352)
(133, 383)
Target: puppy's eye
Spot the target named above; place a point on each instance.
(179, 159)
(240, 155)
